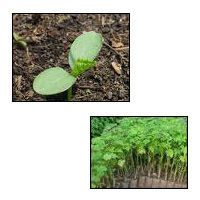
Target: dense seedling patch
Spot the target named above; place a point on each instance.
(149, 146)
(99, 124)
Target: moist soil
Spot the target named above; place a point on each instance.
(49, 37)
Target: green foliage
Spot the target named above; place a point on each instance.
(19, 40)
(53, 81)
(140, 144)
(98, 124)
(82, 53)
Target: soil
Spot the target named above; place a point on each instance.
(49, 37)
(147, 182)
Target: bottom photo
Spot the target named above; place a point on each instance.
(139, 152)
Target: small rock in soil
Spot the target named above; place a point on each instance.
(109, 95)
(117, 67)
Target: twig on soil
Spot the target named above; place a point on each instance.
(112, 49)
(113, 34)
(103, 21)
(122, 57)
(122, 48)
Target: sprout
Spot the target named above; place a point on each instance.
(82, 53)
(19, 40)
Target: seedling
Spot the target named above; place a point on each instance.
(82, 53)
(19, 40)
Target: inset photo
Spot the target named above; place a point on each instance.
(71, 57)
(139, 152)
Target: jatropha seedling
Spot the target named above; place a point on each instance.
(155, 147)
(82, 53)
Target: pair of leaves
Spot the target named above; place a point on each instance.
(82, 53)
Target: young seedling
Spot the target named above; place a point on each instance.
(82, 53)
(19, 40)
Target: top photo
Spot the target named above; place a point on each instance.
(61, 57)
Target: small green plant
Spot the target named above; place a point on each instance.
(82, 53)
(19, 40)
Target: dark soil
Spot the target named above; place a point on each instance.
(49, 37)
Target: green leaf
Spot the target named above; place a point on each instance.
(81, 66)
(182, 159)
(53, 81)
(107, 156)
(170, 153)
(19, 40)
(23, 43)
(16, 37)
(102, 169)
(141, 151)
(86, 46)
(151, 149)
(121, 163)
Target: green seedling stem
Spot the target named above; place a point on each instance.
(69, 94)
(175, 172)
(183, 173)
(171, 169)
(166, 169)
(160, 165)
